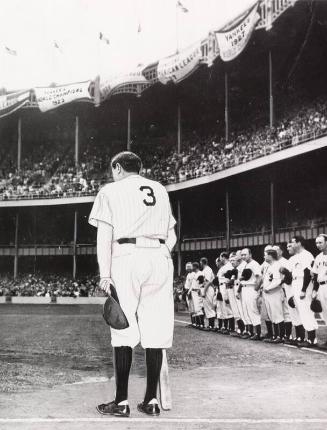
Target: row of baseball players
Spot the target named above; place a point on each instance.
(282, 292)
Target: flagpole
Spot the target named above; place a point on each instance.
(76, 141)
(177, 32)
(19, 143)
(128, 128)
(226, 106)
(179, 129)
(271, 91)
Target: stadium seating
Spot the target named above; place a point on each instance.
(46, 285)
(49, 171)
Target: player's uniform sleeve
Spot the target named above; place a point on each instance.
(315, 266)
(101, 210)
(308, 261)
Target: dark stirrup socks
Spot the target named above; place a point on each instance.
(153, 357)
(123, 362)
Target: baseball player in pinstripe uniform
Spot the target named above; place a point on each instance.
(209, 296)
(197, 295)
(250, 288)
(134, 240)
(274, 294)
(300, 265)
(187, 289)
(287, 310)
(233, 287)
(224, 312)
(319, 271)
(263, 309)
(295, 317)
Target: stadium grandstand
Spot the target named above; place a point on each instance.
(240, 146)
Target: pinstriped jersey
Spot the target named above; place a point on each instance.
(134, 207)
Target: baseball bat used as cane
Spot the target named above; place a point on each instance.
(164, 386)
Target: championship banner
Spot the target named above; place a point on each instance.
(232, 42)
(179, 66)
(11, 102)
(52, 97)
(130, 83)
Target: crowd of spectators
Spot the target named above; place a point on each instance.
(49, 170)
(55, 285)
(48, 285)
(204, 156)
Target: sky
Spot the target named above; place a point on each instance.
(30, 27)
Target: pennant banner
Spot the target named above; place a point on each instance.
(11, 102)
(131, 83)
(232, 42)
(179, 66)
(52, 97)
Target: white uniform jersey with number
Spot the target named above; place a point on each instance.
(134, 207)
(320, 267)
(272, 276)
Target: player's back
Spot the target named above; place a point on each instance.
(139, 207)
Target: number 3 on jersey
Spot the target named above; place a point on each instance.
(150, 199)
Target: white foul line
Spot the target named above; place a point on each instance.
(182, 322)
(306, 349)
(164, 420)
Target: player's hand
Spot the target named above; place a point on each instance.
(105, 285)
(237, 295)
(314, 294)
(302, 295)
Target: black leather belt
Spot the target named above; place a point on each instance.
(123, 240)
(323, 283)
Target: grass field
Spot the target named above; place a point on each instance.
(47, 349)
(48, 345)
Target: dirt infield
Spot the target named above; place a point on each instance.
(56, 365)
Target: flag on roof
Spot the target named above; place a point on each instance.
(10, 51)
(104, 38)
(181, 6)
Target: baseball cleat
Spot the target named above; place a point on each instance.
(112, 408)
(268, 340)
(312, 343)
(234, 334)
(294, 342)
(277, 340)
(302, 343)
(149, 409)
(255, 337)
(245, 336)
